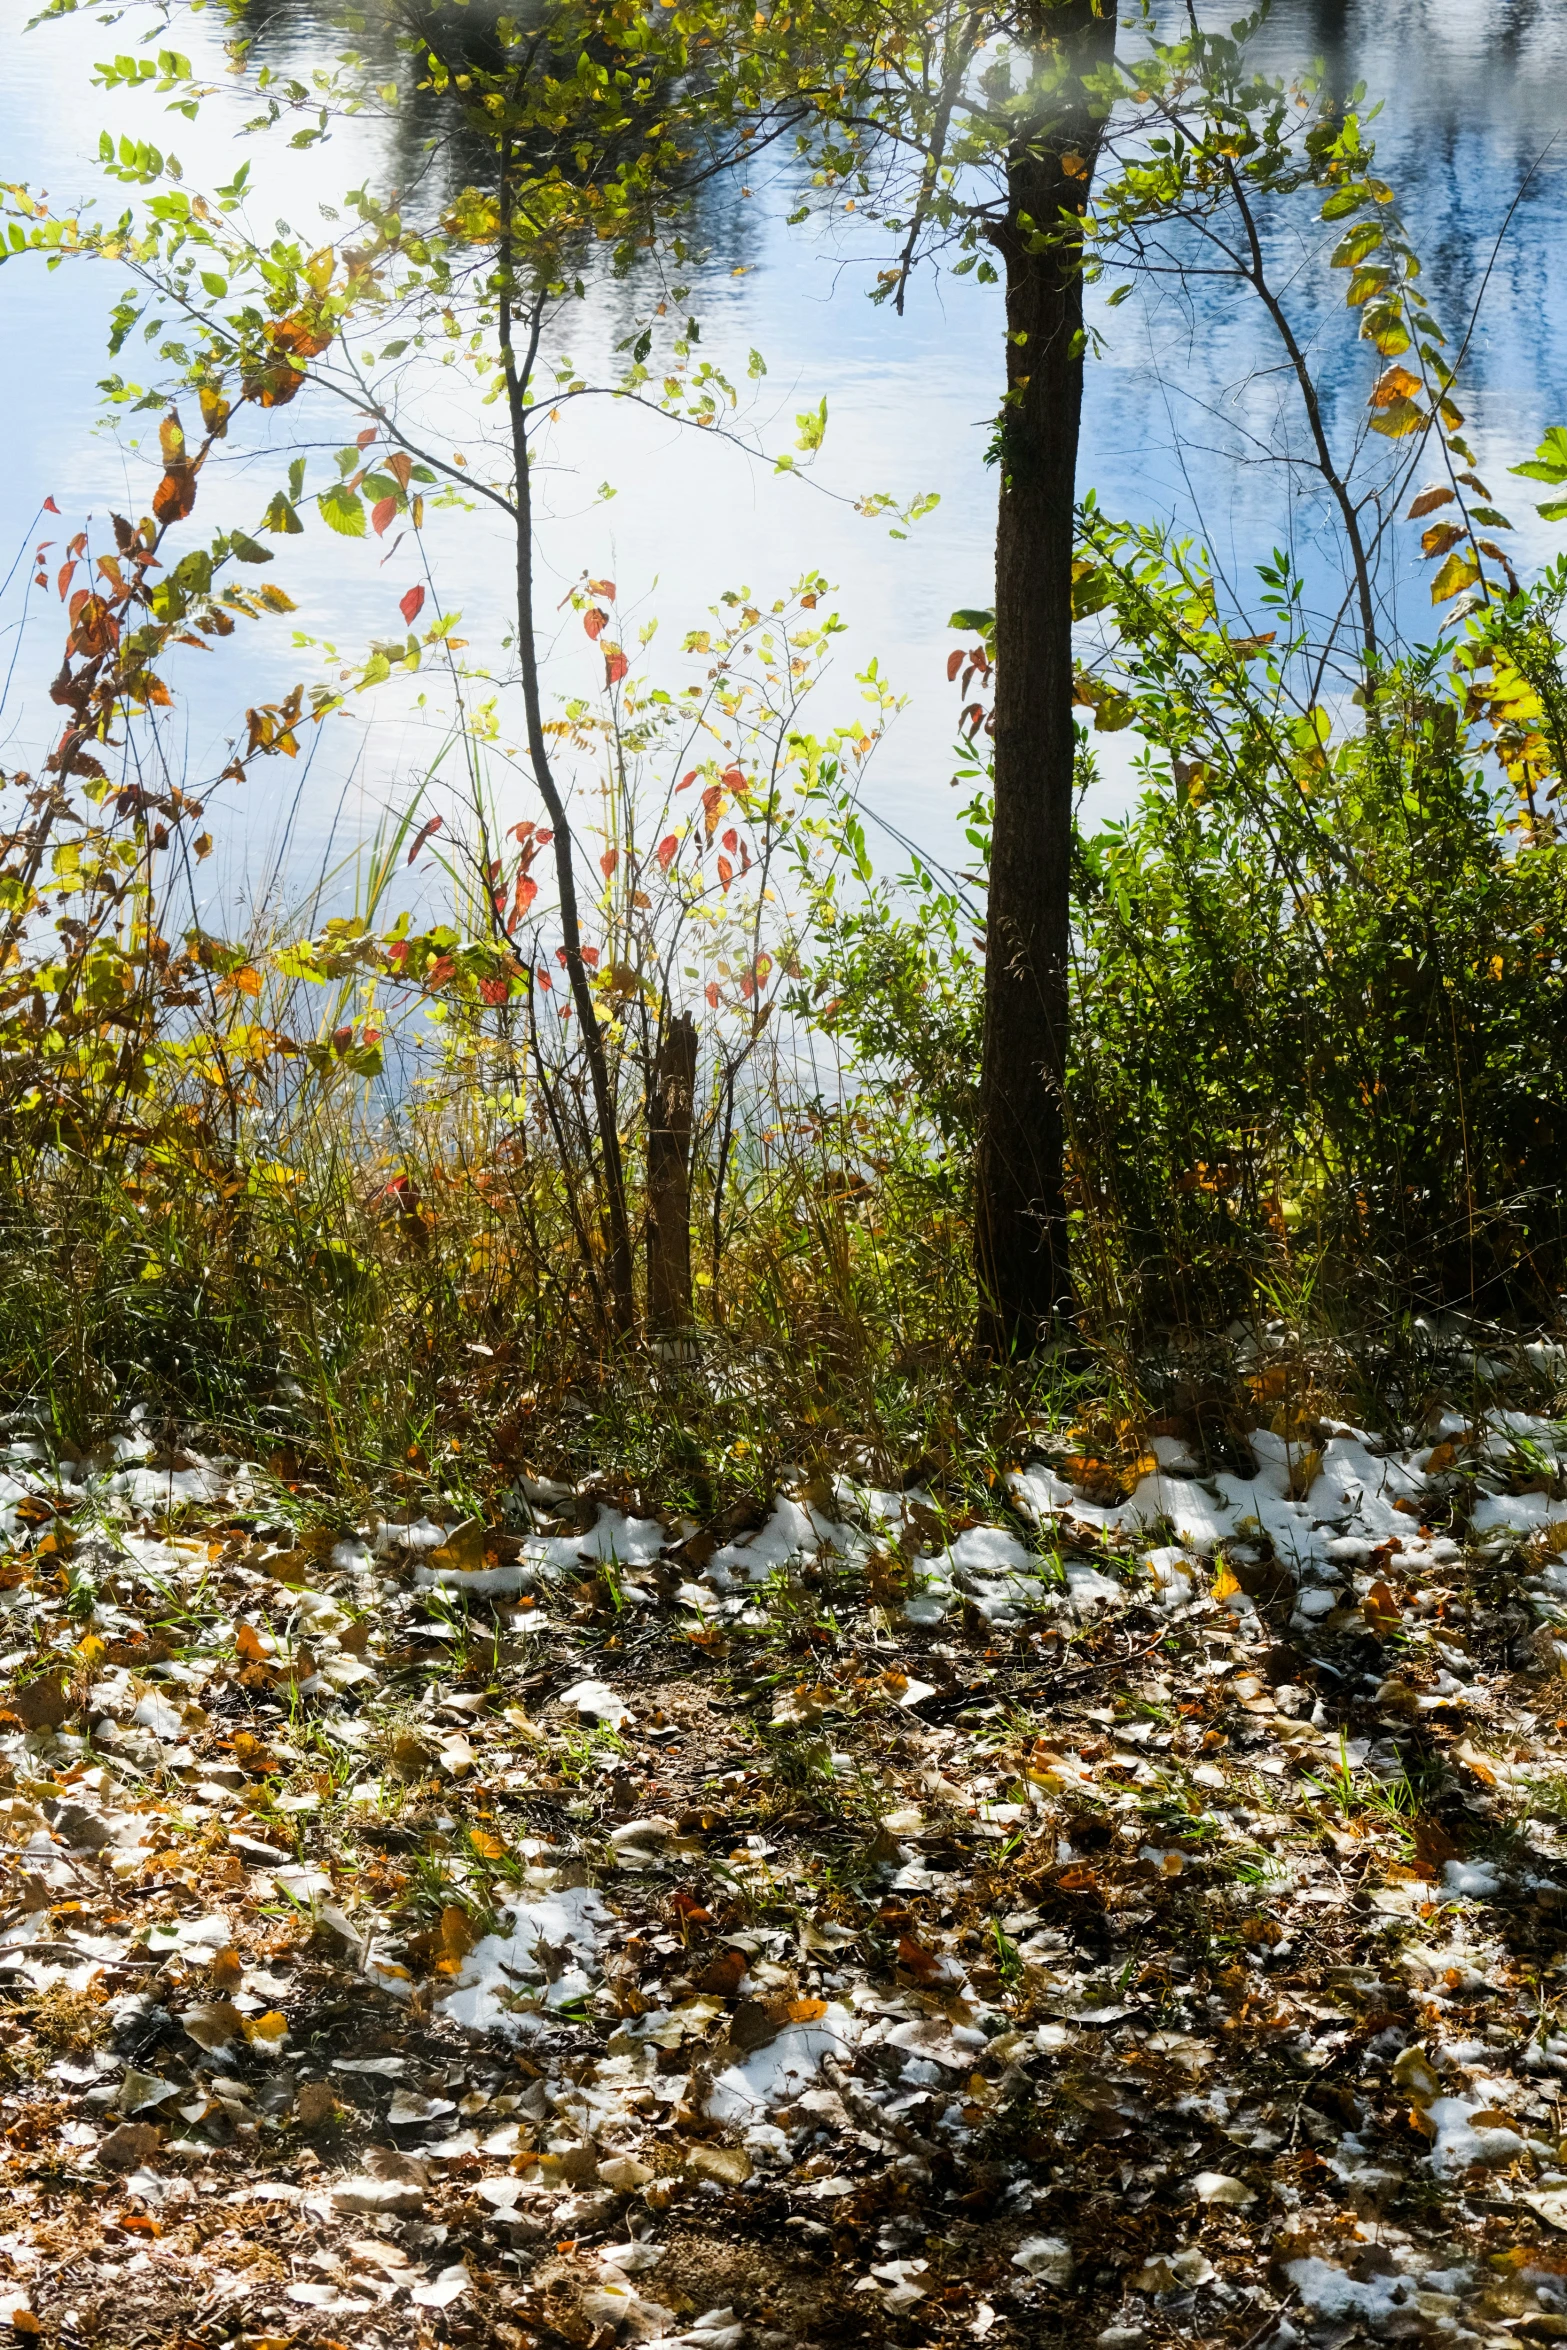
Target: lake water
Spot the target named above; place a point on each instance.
(1471, 109)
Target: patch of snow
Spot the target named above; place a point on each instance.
(776, 2074)
(560, 1930)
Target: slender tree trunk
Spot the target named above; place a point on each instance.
(615, 1219)
(669, 1180)
(1020, 1218)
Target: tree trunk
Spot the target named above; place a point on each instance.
(669, 1180)
(1020, 1220)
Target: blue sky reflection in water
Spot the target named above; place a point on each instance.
(1180, 419)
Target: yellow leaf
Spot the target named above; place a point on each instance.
(1461, 570)
(1363, 285)
(1224, 1581)
(1385, 330)
(1399, 420)
(265, 2031)
(1428, 501)
(1440, 537)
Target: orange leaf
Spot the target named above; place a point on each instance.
(1380, 1609)
(918, 1959)
(615, 667)
(725, 1973)
(300, 339)
(726, 873)
(1393, 384)
(457, 1935)
(400, 467)
(595, 622)
(175, 495)
(382, 515)
(1078, 1879)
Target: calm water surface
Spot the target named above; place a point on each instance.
(1179, 412)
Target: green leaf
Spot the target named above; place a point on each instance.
(1549, 462)
(248, 550)
(343, 510)
(280, 515)
(1356, 243)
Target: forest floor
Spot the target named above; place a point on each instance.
(1137, 1918)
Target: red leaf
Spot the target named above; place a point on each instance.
(560, 957)
(543, 840)
(731, 840)
(544, 976)
(734, 777)
(50, 507)
(602, 587)
(595, 622)
(608, 862)
(615, 667)
(726, 872)
(764, 969)
(440, 971)
(527, 891)
(711, 993)
(493, 991)
(954, 664)
(522, 832)
(590, 956)
(424, 833)
(382, 514)
(666, 851)
(687, 780)
(411, 605)
(66, 575)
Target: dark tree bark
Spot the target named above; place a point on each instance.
(669, 1180)
(1020, 1219)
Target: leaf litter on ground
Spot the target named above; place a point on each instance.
(1137, 1919)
